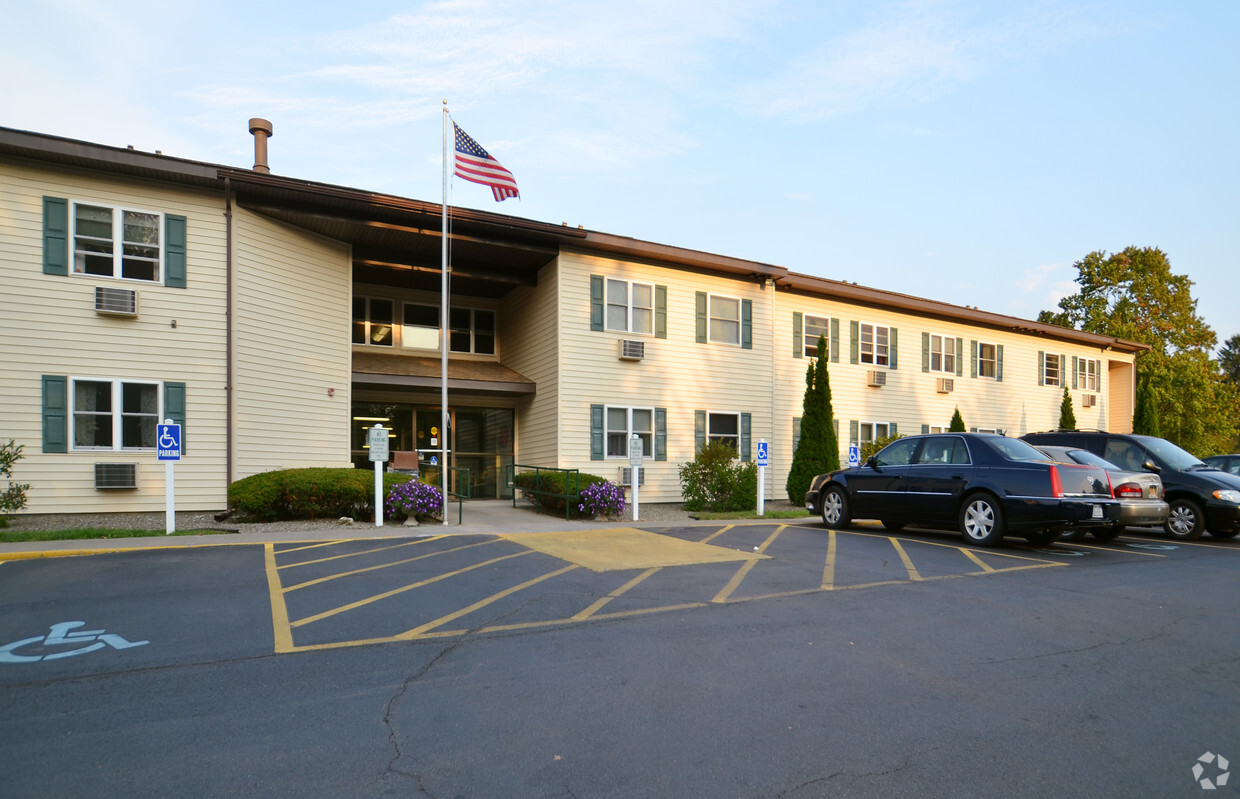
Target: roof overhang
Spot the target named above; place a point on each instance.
(465, 377)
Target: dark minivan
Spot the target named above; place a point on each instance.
(1201, 497)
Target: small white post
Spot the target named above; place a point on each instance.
(762, 463)
(378, 441)
(635, 469)
(170, 502)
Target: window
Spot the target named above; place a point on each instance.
(874, 348)
(987, 360)
(725, 427)
(623, 423)
(944, 450)
(98, 229)
(872, 431)
(1052, 371)
(630, 306)
(898, 453)
(372, 321)
(725, 319)
(471, 330)
(1087, 374)
(816, 327)
(421, 328)
(114, 414)
(937, 428)
(943, 354)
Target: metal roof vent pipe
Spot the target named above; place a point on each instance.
(261, 129)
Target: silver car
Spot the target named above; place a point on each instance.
(1140, 494)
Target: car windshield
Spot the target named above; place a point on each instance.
(1169, 453)
(1015, 450)
(1090, 459)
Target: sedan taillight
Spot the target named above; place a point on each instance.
(1128, 491)
(1056, 483)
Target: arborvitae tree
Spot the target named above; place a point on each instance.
(1145, 418)
(957, 425)
(1067, 416)
(818, 450)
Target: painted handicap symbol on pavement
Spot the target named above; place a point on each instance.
(83, 640)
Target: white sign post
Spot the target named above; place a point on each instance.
(763, 462)
(635, 468)
(378, 441)
(168, 449)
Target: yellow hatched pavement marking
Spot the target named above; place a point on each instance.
(401, 562)
(359, 554)
(968, 553)
(313, 546)
(913, 574)
(423, 628)
(828, 570)
(598, 605)
(745, 568)
(281, 629)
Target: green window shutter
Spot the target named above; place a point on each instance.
(55, 239)
(699, 431)
(959, 357)
(174, 407)
(835, 341)
(55, 413)
(660, 434)
(596, 302)
(1063, 367)
(925, 352)
(893, 342)
(174, 251)
(925, 428)
(891, 429)
(836, 424)
(854, 431)
(660, 311)
(798, 336)
(973, 348)
(747, 324)
(796, 433)
(700, 316)
(854, 342)
(1041, 368)
(999, 363)
(1075, 364)
(745, 436)
(597, 450)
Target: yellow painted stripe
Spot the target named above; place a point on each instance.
(716, 534)
(594, 608)
(745, 568)
(386, 594)
(359, 554)
(828, 571)
(913, 574)
(968, 553)
(401, 562)
(420, 629)
(313, 546)
(282, 632)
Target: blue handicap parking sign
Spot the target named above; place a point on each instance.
(763, 454)
(168, 441)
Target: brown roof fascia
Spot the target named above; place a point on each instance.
(679, 256)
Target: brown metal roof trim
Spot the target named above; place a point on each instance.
(414, 371)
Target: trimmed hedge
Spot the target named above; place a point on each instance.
(314, 493)
(553, 483)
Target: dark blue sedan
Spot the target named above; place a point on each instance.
(985, 485)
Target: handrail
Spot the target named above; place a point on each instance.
(572, 485)
(461, 494)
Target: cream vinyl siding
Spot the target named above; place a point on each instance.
(528, 321)
(48, 326)
(292, 301)
(677, 373)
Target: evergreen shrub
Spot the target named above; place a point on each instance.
(313, 493)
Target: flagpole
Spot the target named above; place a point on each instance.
(443, 326)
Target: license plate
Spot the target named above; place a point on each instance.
(1097, 512)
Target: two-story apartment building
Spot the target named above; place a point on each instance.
(277, 319)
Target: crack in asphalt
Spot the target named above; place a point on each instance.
(1161, 632)
(860, 775)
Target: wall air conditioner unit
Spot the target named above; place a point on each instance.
(116, 302)
(1089, 400)
(116, 475)
(876, 378)
(626, 476)
(631, 350)
(945, 385)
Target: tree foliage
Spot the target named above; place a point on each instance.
(1229, 359)
(818, 450)
(14, 496)
(1134, 295)
(957, 423)
(1145, 418)
(1067, 416)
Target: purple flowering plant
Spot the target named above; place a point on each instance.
(414, 498)
(602, 499)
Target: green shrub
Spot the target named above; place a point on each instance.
(315, 493)
(715, 481)
(540, 488)
(13, 497)
(872, 447)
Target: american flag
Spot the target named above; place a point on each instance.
(476, 164)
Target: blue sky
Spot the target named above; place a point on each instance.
(969, 152)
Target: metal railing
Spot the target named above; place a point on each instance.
(544, 486)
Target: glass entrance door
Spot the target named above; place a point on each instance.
(479, 439)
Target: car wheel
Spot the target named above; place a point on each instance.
(1224, 533)
(1041, 538)
(894, 527)
(1185, 522)
(835, 508)
(1069, 535)
(981, 520)
(1107, 533)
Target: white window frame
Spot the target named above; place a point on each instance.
(713, 435)
(647, 436)
(1046, 369)
(368, 323)
(711, 318)
(409, 332)
(117, 243)
(874, 434)
(993, 361)
(935, 428)
(809, 341)
(473, 331)
(1087, 374)
(994, 430)
(878, 354)
(116, 413)
(630, 307)
(943, 355)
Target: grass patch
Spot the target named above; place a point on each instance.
(82, 533)
(795, 513)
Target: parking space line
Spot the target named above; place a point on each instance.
(1112, 549)
(913, 574)
(746, 567)
(431, 625)
(968, 553)
(395, 591)
(361, 552)
(828, 570)
(337, 576)
(314, 546)
(1233, 547)
(599, 604)
(281, 630)
(716, 534)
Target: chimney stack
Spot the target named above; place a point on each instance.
(261, 129)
